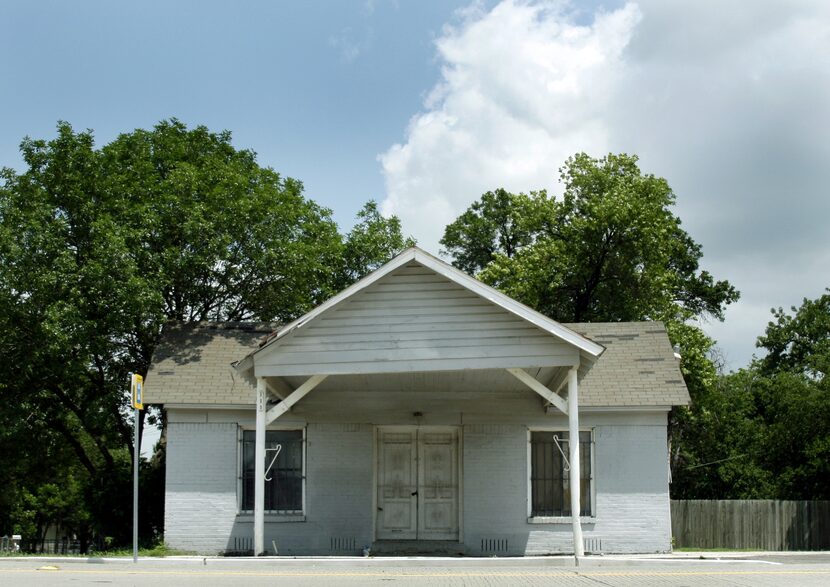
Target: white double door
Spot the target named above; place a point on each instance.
(417, 476)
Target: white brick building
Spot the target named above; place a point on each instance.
(418, 410)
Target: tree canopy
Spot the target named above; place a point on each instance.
(764, 431)
(100, 246)
(609, 249)
(799, 342)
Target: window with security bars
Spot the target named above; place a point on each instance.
(550, 475)
(284, 483)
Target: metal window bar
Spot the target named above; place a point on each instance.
(550, 489)
(284, 476)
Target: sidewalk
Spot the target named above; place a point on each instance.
(616, 560)
(686, 570)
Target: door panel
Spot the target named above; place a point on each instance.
(397, 485)
(417, 484)
(438, 485)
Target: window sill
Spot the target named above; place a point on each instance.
(560, 520)
(271, 517)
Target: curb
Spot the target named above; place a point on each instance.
(565, 562)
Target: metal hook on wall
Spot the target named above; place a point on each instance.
(276, 450)
(562, 452)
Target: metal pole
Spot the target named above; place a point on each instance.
(135, 489)
(259, 469)
(135, 468)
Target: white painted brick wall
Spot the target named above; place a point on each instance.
(633, 489)
(200, 501)
(338, 493)
(632, 503)
(201, 497)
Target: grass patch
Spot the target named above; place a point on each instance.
(157, 551)
(693, 549)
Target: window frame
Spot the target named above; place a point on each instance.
(531, 519)
(279, 515)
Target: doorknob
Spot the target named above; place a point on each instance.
(414, 492)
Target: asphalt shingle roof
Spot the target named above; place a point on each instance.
(192, 365)
(638, 367)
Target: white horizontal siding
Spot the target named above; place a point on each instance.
(413, 319)
(408, 337)
(516, 329)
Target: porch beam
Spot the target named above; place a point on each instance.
(364, 365)
(259, 467)
(573, 437)
(295, 396)
(540, 388)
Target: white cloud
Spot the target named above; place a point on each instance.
(521, 86)
(349, 46)
(729, 101)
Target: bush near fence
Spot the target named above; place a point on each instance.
(762, 524)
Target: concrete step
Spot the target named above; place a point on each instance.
(417, 548)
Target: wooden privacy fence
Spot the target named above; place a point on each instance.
(763, 524)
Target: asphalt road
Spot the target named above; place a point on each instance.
(810, 570)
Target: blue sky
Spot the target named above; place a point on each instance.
(423, 105)
(317, 89)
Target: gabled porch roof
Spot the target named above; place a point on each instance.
(415, 314)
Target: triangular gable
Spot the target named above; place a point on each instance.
(503, 323)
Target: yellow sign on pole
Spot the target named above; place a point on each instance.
(137, 389)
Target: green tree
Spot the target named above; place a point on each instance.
(796, 412)
(370, 243)
(610, 249)
(219, 237)
(722, 437)
(794, 400)
(62, 307)
(500, 223)
(764, 432)
(99, 247)
(799, 343)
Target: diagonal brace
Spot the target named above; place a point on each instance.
(539, 388)
(295, 396)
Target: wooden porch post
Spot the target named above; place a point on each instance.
(573, 437)
(259, 468)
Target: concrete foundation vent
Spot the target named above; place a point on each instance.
(241, 546)
(593, 545)
(494, 545)
(342, 544)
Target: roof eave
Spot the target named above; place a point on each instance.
(245, 368)
(403, 258)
